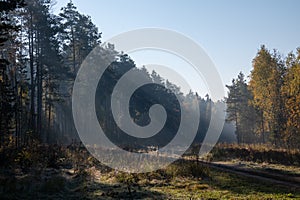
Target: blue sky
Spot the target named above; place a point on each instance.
(230, 31)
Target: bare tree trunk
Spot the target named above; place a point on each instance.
(39, 75)
(32, 78)
(17, 129)
(49, 122)
(263, 129)
(74, 50)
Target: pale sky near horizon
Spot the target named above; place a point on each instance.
(229, 31)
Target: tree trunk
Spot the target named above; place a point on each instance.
(32, 79)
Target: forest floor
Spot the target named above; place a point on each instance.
(275, 173)
(96, 182)
(285, 169)
(289, 173)
(59, 172)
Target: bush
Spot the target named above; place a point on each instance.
(187, 168)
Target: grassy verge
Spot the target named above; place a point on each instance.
(255, 153)
(212, 184)
(70, 173)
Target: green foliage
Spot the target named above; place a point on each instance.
(266, 110)
(240, 111)
(78, 36)
(8, 31)
(39, 60)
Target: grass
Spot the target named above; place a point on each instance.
(71, 178)
(170, 183)
(224, 186)
(255, 153)
(246, 188)
(219, 185)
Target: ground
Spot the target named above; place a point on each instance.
(174, 182)
(59, 172)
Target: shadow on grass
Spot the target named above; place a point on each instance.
(53, 184)
(246, 186)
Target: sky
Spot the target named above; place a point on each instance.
(230, 32)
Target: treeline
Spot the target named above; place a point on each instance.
(40, 55)
(159, 91)
(266, 109)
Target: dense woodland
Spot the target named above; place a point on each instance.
(41, 53)
(41, 156)
(266, 108)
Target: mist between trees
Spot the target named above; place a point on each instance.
(41, 53)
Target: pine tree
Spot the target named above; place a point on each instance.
(8, 70)
(79, 36)
(240, 111)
